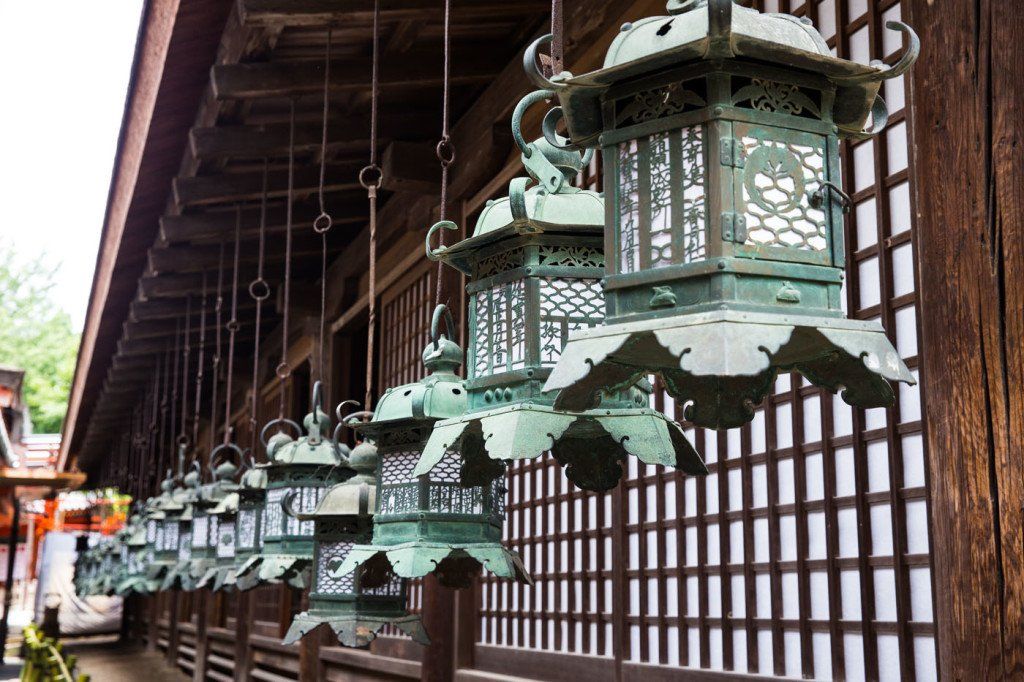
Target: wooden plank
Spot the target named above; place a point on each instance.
(971, 230)
(325, 12)
(289, 79)
(411, 167)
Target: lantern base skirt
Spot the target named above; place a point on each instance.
(264, 569)
(218, 578)
(722, 364)
(178, 578)
(157, 570)
(591, 445)
(136, 584)
(454, 564)
(199, 568)
(356, 630)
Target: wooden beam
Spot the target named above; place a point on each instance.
(970, 241)
(350, 132)
(292, 78)
(215, 225)
(235, 187)
(411, 167)
(180, 259)
(40, 478)
(325, 12)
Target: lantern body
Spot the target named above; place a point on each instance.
(221, 538)
(429, 523)
(252, 494)
(305, 468)
(354, 611)
(179, 577)
(134, 557)
(535, 262)
(161, 528)
(724, 217)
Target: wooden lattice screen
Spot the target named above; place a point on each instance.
(805, 552)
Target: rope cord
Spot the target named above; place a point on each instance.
(283, 370)
(232, 327)
(370, 177)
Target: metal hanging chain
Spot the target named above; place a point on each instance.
(174, 386)
(232, 327)
(217, 308)
(557, 38)
(186, 351)
(199, 368)
(323, 222)
(259, 290)
(164, 404)
(445, 149)
(283, 370)
(370, 177)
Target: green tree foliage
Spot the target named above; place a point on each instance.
(36, 335)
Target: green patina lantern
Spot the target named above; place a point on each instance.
(354, 611)
(161, 521)
(306, 466)
(107, 566)
(223, 517)
(187, 494)
(429, 523)
(536, 259)
(252, 495)
(206, 524)
(134, 560)
(720, 129)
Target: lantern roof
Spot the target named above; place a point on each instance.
(439, 395)
(315, 448)
(354, 497)
(716, 30)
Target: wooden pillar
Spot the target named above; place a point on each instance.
(439, 620)
(967, 92)
(153, 627)
(173, 616)
(203, 614)
(243, 626)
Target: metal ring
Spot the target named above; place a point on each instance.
(283, 371)
(225, 446)
(233, 326)
(371, 177)
(277, 422)
(259, 289)
(322, 223)
(445, 151)
(182, 439)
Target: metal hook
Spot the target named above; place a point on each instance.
(897, 69)
(517, 118)
(432, 253)
(532, 66)
(439, 311)
(343, 419)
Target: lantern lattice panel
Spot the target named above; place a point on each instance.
(305, 501)
(273, 514)
(566, 305)
(648, 166)
(500, 336)
(170, 536)
(185, 546)
(200, 531)
(397, 492)
(247, 528)
(329, 557)
(805, 552)
(778, 178)
(226, 540)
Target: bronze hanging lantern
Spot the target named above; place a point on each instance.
(162, 521)
(134, 560)
(222, 521)
(252, 495)
(535, 263)
(429, 523)
(720, 129)
(187, 494)
(354, 611)
(306, 466)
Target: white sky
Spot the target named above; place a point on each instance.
(64, 68)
